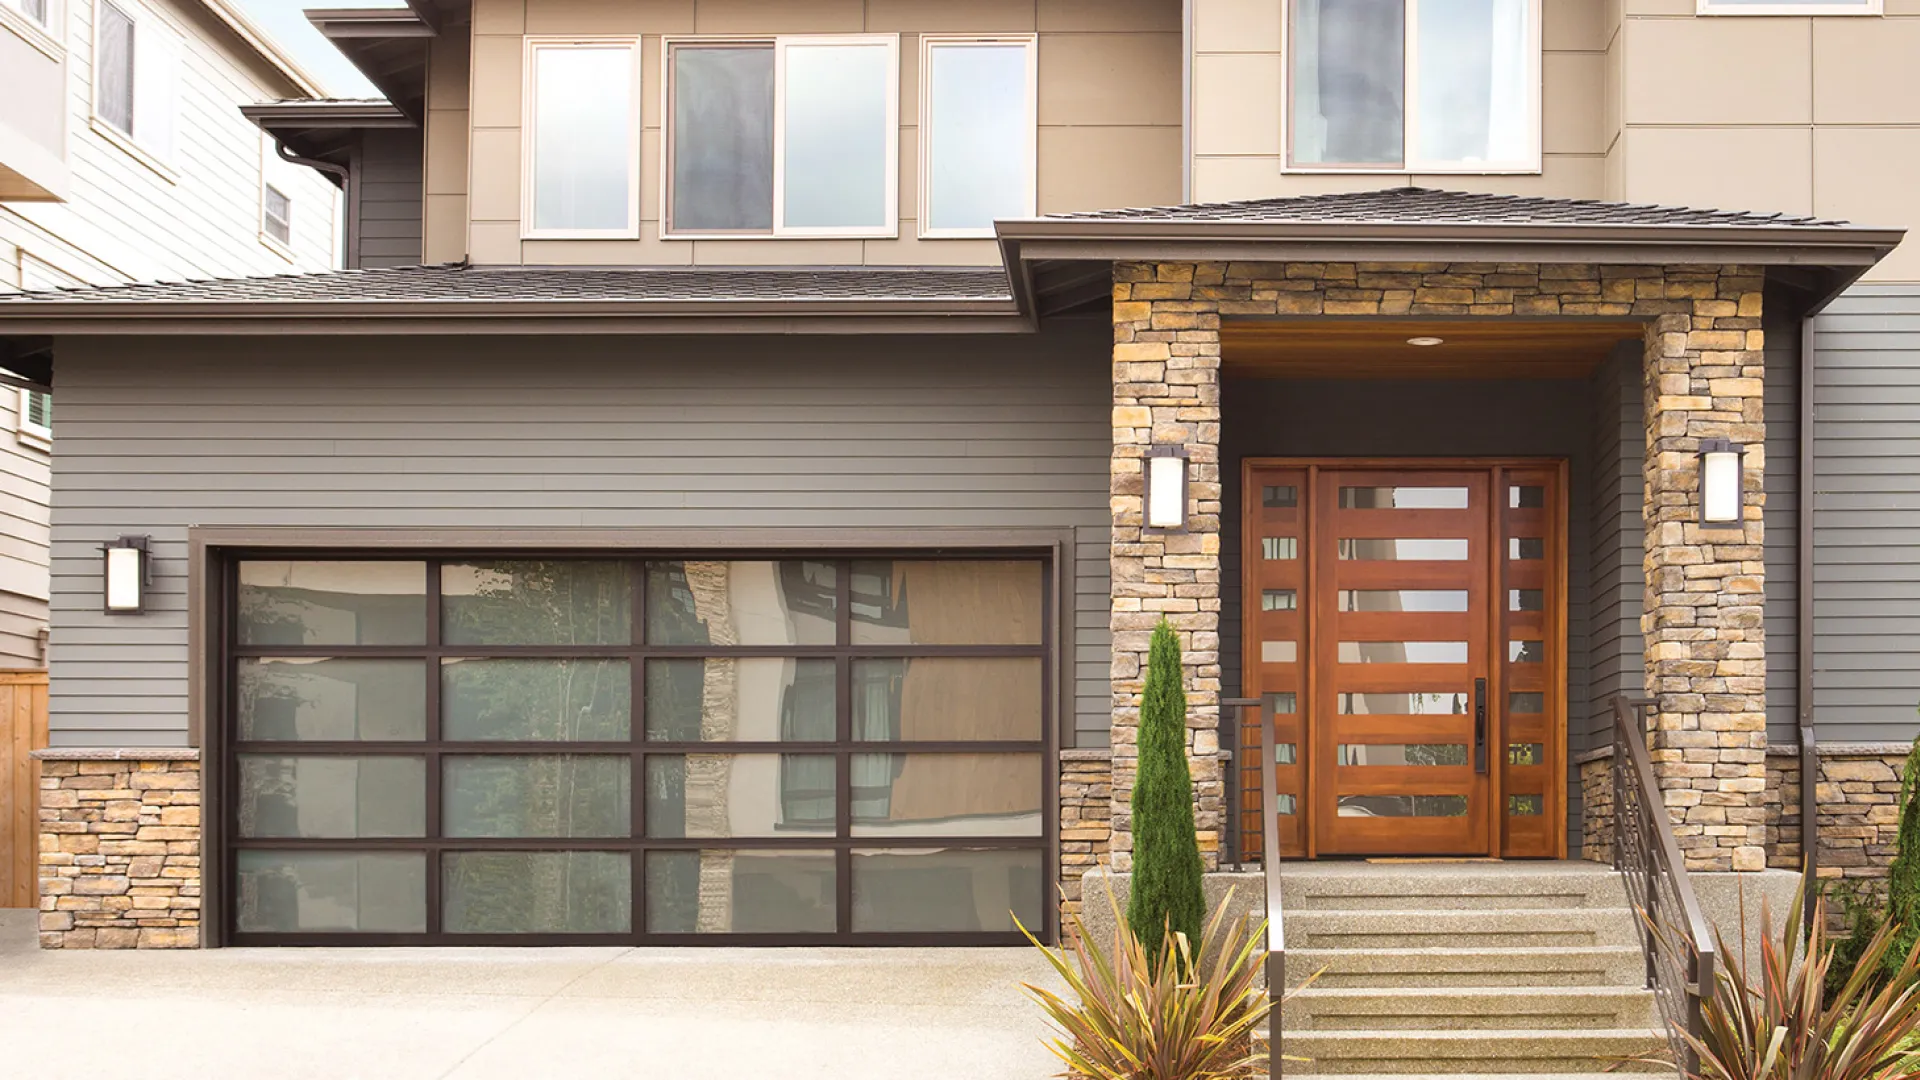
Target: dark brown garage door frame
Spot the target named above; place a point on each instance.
(214, 552)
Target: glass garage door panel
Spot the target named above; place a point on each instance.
(556, 749)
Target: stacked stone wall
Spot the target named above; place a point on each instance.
(1858, 798)
(119, 849)
(1086, 821)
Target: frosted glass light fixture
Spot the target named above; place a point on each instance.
(1166, 490)
(126, 573)
(1722, 465)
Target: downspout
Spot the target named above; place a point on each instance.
(1803, 623)
(350, 241)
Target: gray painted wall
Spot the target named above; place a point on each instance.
(160, 434)
(390, 197)
(1406, 418)
(1616, 523)
(1781, 402)
(1867, 515)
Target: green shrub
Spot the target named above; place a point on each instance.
(1902, 911)
(1166, 889)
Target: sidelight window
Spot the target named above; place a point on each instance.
(511, 748)
(582, 138)
(1414, 85)
(786, 136)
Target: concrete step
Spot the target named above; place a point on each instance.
(1440, 886)
(1470, 1008)
(1452, 1053)
(1487, 929)
(1602, 965)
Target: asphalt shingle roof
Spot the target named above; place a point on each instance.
(458, 283)
(1428, 206)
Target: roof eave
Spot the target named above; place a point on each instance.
(265, 47)
(316, 114)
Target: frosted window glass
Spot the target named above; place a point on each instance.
(1349, 83)
(836, 136)
(582, 141)
(1474, 101)
(979, 133)
(723, 138)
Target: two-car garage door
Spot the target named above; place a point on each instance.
(658, 749)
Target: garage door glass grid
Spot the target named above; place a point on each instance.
(447, 750)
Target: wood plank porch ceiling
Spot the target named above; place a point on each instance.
(1480, 348)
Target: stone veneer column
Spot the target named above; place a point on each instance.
(119, 849)
(1705, 587)
(1166, 392)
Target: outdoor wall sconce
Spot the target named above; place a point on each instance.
(128, 573)
(1166, 490)
(1722, 470)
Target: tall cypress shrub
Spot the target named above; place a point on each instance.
(1166, 851)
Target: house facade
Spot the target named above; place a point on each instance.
(747, 524)
(122, 158)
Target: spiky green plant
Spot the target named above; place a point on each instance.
(1780, 1023)
(1167, 870)
(1129, 1015)
(1903, 877)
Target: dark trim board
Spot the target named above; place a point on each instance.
(210, 587)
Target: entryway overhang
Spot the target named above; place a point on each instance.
(1061, 263)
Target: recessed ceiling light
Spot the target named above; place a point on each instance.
(1426, 342)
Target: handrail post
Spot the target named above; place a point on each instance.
(1276, 966)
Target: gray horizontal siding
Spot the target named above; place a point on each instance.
(390, 194)
(1617, 532)
(1867, 516)
(1781, 403)
(161, 434)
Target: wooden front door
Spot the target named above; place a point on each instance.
(1404, 632)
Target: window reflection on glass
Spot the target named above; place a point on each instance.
(536, 700)
(1526, 547)
(536, 602)
(332, 797)
(947, 602)
(721, 795)
(1526, 652)
(907, 890)
(837, 141)
(1473, 97)
(721, 100)
(1525, 805)
(1401, 753)
(1403, 498)
(1526, 754)
(1281, 704)
(946, 794)
(543, 795)
(329, 891)
(1526, 600)
(932, 699)
(1275, 548)
(332, 603)
(1419, 806)
(1410, 703)
(746, 891)
(1422, 549)
(537, 892)
(1526, 497)
(1285, 753)
(333, 700)
(583, 132)
(1349, 82)
(1403, 599)
(979, 132)
(1279, 600)
(1402, 652)
(1283, 804)
(745, 699)
(1526, 703)
(791, 602)
(1279, 496)
(1279, 652)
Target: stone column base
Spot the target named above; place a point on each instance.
(119, 849)
(1596, 805)
(1086, 821)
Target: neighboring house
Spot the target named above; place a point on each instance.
(743, 526)
(122, 159)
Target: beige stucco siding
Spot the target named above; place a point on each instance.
(1109, 102)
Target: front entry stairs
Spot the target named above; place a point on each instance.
(1465, 968)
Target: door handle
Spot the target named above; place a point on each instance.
(1480, 726)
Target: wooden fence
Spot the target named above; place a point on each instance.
(23, 729)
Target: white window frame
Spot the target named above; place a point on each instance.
(1410, 132)
(533, 45)
(889, 228)
(49, 37)
(1721, 7)
(928, 43)
(32, 434)
(145, 21)
(284, 247)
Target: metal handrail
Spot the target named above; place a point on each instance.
(1647, 855)
(1270, 871)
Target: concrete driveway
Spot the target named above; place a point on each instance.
(684, 1014)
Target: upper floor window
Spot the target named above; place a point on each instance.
(1789, 7)
(36, 417)
(39, 12)
(276, 215)
(786, 136)
(135, 67)
(977, 133)
(1414, 85)
(583, 138)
